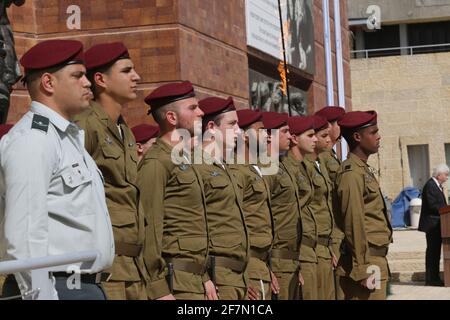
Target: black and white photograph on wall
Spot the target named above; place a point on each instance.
(266, 95)
(300, 37)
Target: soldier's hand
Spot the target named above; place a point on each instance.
(210, 290)
(370, 283)
(301, 281)
(253, 294)
(168, 297)
(334, 261)
(274, 284)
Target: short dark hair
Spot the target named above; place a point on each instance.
(159, 113)
(216, 118)
(91, 76)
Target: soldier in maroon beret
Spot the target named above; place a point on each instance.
(321, 205)
(145, 136)
(54, 199)
(331, 162)
(286, 207)
(176, 253)
(255, 202)
(111, 143)
(304, 142)
(364, 220)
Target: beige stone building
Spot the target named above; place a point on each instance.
(403, 72)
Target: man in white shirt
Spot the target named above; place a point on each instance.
(52, 195)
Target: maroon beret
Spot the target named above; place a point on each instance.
(358, 120)
(299, 124)
(169, 93)
(331, 113)
(320, 123)
(105, 54)
(144, 132)
(215, 106)
(248, 117)
(275, 120)
(52, 53)
(4, 129)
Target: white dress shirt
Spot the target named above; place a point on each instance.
(52, 197)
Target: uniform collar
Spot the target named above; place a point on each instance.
(55, 118)
(357, 160)
(101, 113)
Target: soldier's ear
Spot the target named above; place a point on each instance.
(48, 82)
(99, 80)
(171, 117)
(357, 136)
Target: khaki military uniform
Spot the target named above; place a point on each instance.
(228, 239)
(332, 163)
(287, 229)
(177, 237)
(308, 256)
(367, 229)
(258, 218)
(115, 155)
(321, 206)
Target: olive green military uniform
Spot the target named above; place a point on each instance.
(332, 163)
(258, 218)
(177, 238)
(367, 229)
(308, 256)
(228, 239)
(116, 156)
(287, 229)
(321, 206)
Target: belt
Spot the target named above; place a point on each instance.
(325, 241)
(263, 256)
(285, 254)
(187, 266)
(309, 242)
(94, 278)
(378, 251)
(230, 263)
(128, 249)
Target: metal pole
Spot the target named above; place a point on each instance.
(340, 66)
(284, 58)
(328, 61)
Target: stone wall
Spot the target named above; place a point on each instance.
(412, 96)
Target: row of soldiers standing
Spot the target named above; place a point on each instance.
(313, 229)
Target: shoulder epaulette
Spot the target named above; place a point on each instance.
(40, 123)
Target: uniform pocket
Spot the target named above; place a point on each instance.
(192, 244)
(258, 187)
(226, 241)
(185, 178)
(77, 182)
(123, 219)
(219, 182)
(110, 152)
(288, 234)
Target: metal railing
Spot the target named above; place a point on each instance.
(42, 284)
(396, 51)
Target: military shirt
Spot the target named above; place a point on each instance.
(226, 221)
(117, 159)
(286, 215)
(363, 213)
(320, 204)
(52, 198)
(173, 199)
(258, 216)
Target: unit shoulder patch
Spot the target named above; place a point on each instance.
(40, 123)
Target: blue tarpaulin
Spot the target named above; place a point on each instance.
(400, 207)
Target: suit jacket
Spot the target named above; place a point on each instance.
(433, 199)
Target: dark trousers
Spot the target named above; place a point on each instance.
(433, 255)
(88, 291)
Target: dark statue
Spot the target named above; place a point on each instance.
(9, 66)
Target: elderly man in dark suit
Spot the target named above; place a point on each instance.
(433, 199)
